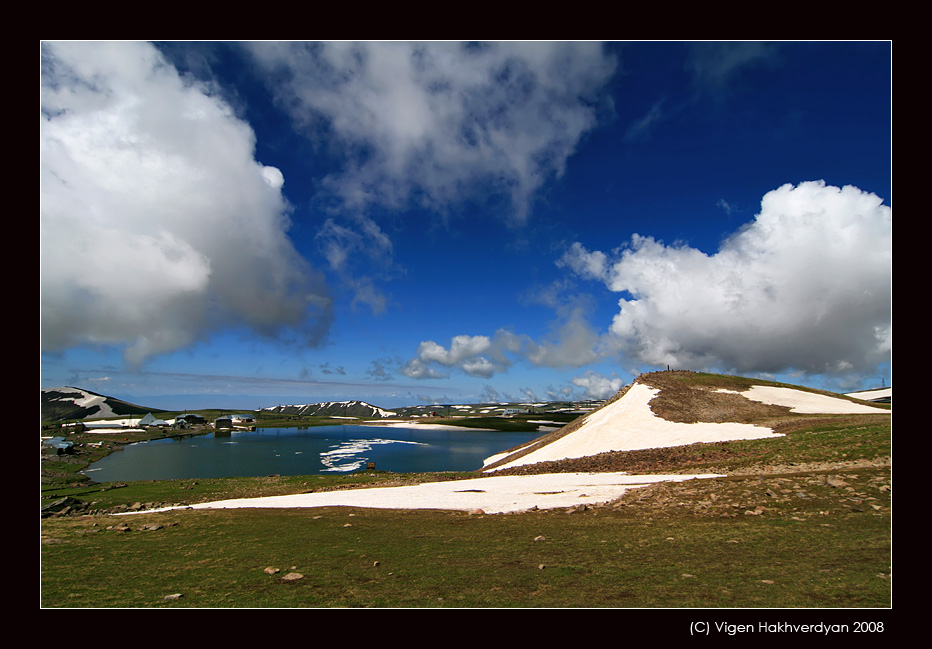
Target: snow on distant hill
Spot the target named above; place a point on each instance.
(333, 409)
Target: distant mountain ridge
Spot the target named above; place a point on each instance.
(69, 403)
(332, 409)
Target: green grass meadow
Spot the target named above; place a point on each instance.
(383, 558)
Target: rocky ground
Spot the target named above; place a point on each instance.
(858, 489)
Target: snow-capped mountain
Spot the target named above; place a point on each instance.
(332, 409)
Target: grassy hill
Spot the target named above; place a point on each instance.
(693, 397)
(69, 404)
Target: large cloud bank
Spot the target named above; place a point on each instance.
(436, 123)
(157, 223)
(804, 287)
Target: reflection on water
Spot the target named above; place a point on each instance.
(305, 451)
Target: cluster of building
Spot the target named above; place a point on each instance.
(61, 446)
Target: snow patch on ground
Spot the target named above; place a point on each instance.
(869, 395)
(808, 403)
(493, 495)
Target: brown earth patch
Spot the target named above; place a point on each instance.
(685, 402)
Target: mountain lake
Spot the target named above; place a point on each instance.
(305, 451)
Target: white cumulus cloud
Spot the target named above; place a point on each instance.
(157, 223)
(805, 286)
(469, 353)
(573, 343)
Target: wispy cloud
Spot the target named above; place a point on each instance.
(717, 66)
(355, 250)
(432, 124)
(157, 223)
(722, 203)
(326, 368)
(641, 129)
(144, 383)
(383, 369)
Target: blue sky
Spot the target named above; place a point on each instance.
(247, 224)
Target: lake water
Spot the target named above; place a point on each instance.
(305, 451)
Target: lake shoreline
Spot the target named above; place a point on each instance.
(296, 450)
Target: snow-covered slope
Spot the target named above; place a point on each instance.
(629, 424)
(58, 404)
(880, 395)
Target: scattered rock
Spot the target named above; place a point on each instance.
(271, 571)
(293, 576)
(63, 507)
(539, 538)
(174, 596)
